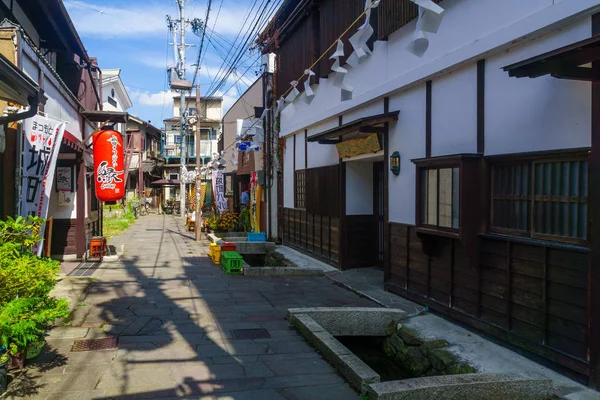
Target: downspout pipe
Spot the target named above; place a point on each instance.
(33, 109)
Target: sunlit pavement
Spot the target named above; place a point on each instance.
(173, 312)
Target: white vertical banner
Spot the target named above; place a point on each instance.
(41, 144)
(219, 190)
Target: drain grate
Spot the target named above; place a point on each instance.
(250, 333)
(94, 344)
(85, 269)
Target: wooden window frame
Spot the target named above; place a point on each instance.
(425, 200)
(297, 203)
(467, 165)
(532, 159)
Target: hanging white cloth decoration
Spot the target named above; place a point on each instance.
(339, 50)
(294, 93)
(359, 41)
(419, 44)
(233, 160)
(368, 9)
(264, 113)
(280, 104)
(430, 16)
(308, 92)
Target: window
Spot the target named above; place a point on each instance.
(300, 189)
(112, 101)
(541, 198)
(173, 176)
(439, 196)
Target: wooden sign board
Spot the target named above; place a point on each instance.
(355, 147)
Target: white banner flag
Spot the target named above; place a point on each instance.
(219, 190)
(41, 143)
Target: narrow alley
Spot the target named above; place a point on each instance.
(174, 313)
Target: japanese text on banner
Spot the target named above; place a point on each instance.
(41, 143)
(219, 190)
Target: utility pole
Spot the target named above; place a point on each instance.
(198, 166)
(182, 106)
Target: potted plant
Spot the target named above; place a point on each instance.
(26, 309)
(3, 369)
(23, 322)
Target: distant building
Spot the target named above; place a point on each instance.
(114, 94)
(211, 114)
(238, 118)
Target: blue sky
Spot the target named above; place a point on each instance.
(132, 35)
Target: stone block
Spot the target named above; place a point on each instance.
(357, 373)
(461, 368)
(416, 362)
(410, 336)
(388, 349)
(441, 359)
(470, 386)
(397, 343)
(434, 344)
(352, 321)
(391, 328)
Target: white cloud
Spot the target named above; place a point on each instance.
(158, 99)
(145, 18)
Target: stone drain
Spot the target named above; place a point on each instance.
(438, 372)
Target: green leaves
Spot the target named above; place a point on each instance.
(21, 232)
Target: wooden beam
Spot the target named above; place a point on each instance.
(372, 129)
(594, 232)
(481, 106)
(578, 74)
(428, 119)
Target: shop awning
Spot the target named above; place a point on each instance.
(166, 182)
(568, 62)
(106, 116)
(365, 125)
(16, 87)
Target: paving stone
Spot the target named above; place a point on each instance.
(68, 382)
(321, 392)
(67, 332)
(298, 367)
(302, 380)
(289, 347)
(77, 395)
(248, 359)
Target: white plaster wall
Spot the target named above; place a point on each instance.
(29, 67)
(288, 173)
(454, 113)
(299, 150)
(359, 188)
(106, 93)
(62, 212)
(59, 107)
(407, 136)
(538, 114)
(366, 110)
(469, 29)
(321, 155)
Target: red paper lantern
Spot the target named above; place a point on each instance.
(109, 165)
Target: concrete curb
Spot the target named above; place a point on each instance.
(474, 386)
(281, 271)
(356, 372)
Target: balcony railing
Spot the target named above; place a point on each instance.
(207, 147)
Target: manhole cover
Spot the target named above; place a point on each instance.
(250, 333)
(94, 344)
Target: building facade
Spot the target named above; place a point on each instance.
(39, 39)
(472, 189)
(240, 168)
(211, 114)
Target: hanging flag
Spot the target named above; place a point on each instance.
(43, 137)
(219, 190)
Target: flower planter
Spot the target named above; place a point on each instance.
(34, 349)
(3, 376)
(16, 361)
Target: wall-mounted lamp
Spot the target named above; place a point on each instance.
(395, 163)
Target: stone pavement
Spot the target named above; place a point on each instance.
(174, 313)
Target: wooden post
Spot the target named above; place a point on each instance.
(80, 240)
(594, 229)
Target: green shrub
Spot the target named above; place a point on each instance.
(24, 274)
(24, 320)
(22, 233)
